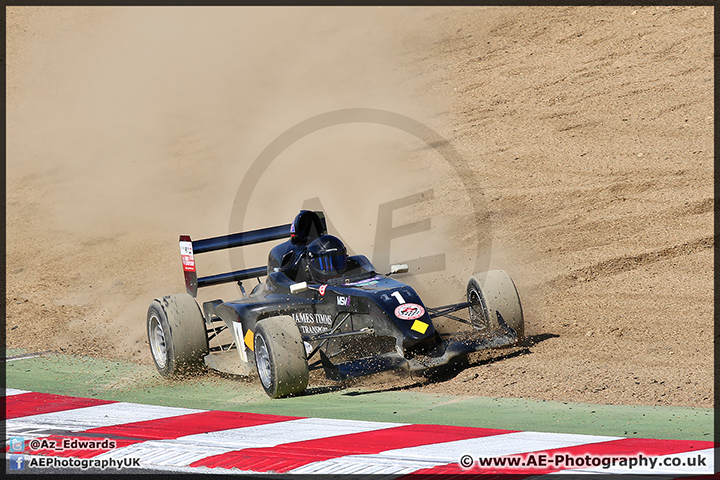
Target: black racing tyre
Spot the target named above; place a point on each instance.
(494, 292)
(176, 334)
(280, 357)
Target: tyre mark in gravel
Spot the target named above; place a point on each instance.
(630, 262)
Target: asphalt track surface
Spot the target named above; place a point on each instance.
(299, 432)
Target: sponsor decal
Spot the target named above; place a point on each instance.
(250, 340)
(237, 327)
(315, 318)
(409, 311)
(343, 301)
(419, 326)
(367, 281)
(188, 260)
(313, 329)
(322, 290)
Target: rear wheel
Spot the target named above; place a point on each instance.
(176, 334)
(280, 357)
(493, 294)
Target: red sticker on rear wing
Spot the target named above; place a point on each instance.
(188, 262)
(186, 253)
(188, 249)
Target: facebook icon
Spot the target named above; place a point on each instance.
(17, 462)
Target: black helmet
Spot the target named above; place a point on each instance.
(307, 226)
(327, 258)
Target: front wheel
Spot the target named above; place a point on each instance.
(280, 357)
(492, 294)
(176, 334)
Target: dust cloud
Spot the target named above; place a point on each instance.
(130, 126)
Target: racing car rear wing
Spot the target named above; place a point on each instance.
(188, 249)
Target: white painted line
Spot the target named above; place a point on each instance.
(13, 391)
(25, 357)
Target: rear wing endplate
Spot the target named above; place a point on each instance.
(189, 248)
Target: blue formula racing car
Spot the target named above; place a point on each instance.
(319, 308)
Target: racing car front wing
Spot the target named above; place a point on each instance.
(448, 349)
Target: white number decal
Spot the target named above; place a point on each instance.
(399, 297)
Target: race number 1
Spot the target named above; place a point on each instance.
(399, 297)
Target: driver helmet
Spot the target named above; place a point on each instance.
(327, 258)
